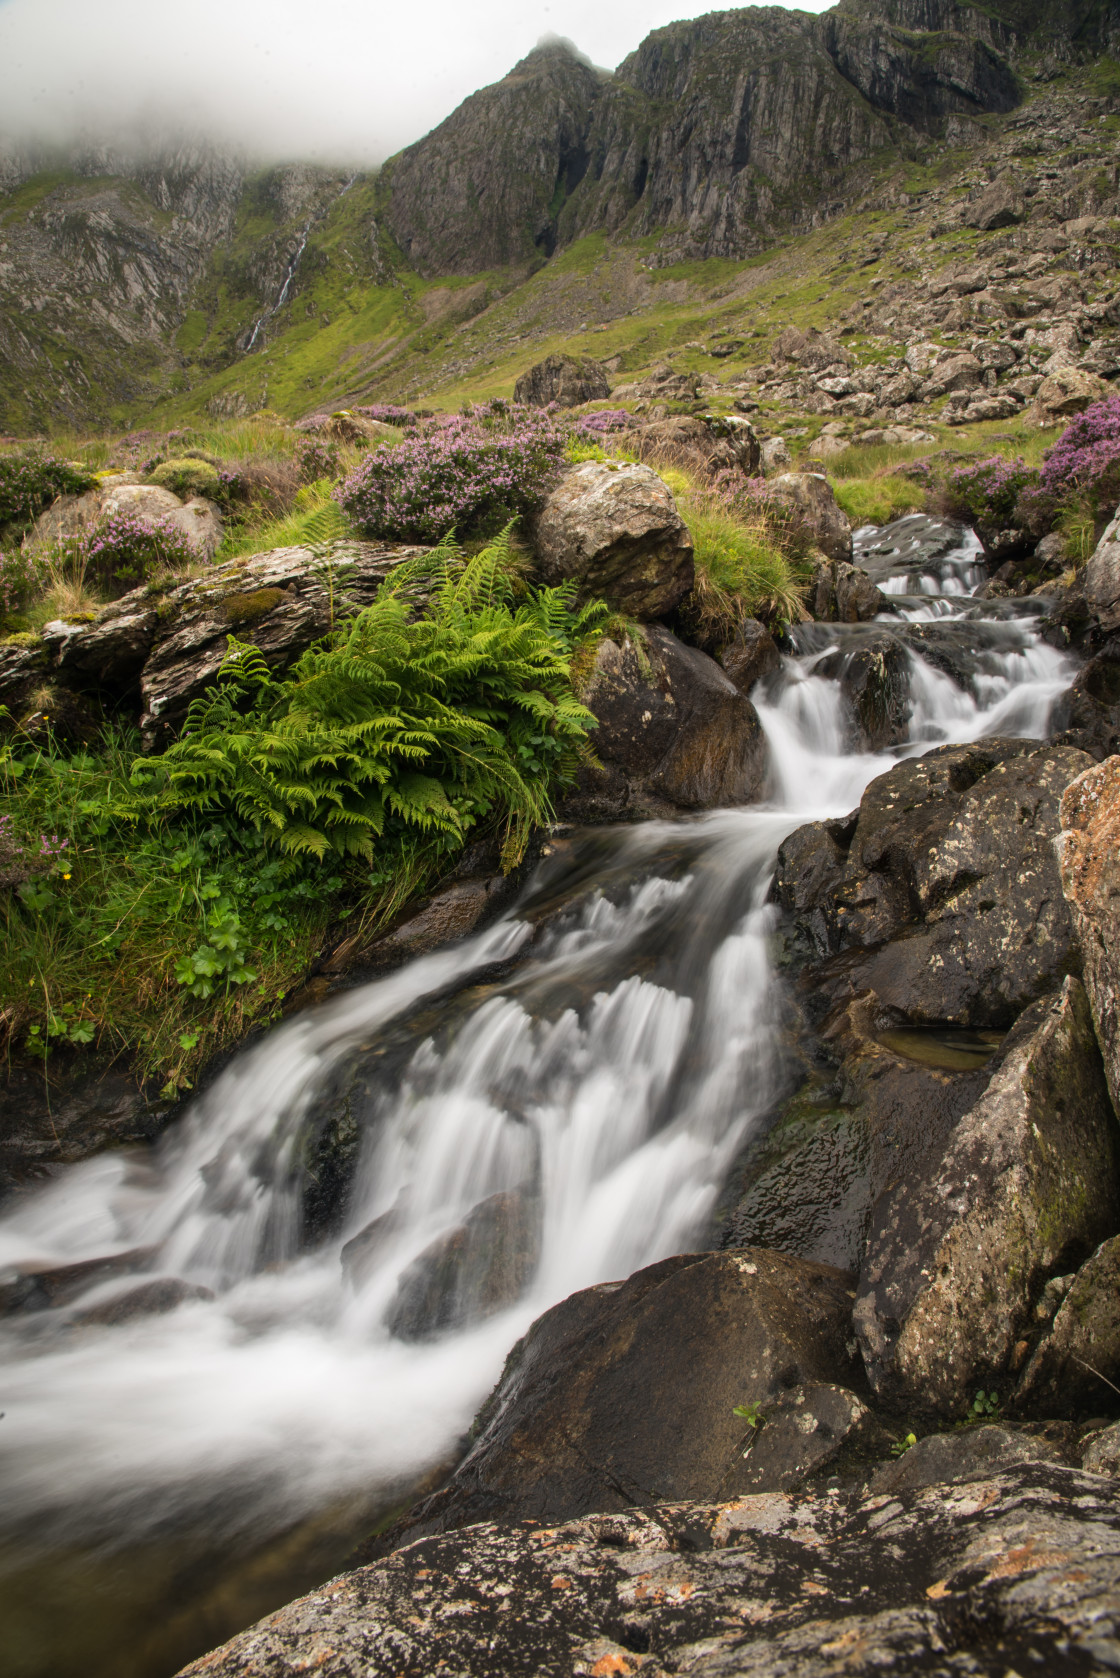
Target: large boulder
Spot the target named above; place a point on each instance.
(725, 443)
(615, 528)
(72, 515)
(956, 372)
(751, 656)
(998, 205)
(941, 894)
(810, 494)
(956, 1261)
(1067, 391)
(1099, 581)
(626, 1393)
(1020, 1569)
(1088, 713)
(1077, 1361)
(1089, 859)
(673, 731)
(874, 679)
(169, 647)
(844, 593)
(566, 380)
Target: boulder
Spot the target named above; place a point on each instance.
(717, 443)
(73, 515)
(998, 205)
(955, 1262)
(1099, 581)
(798, 1435)
(481, 1266)
(942, 895)
(626, 1393)
(453, 912)
(956, 372)
(1088, 852)
(811, 349)
(874, 680)
(1077, 1361)
(1065, 392)
(566, 380)
(751, 656)
(1021, 1567)
(673, 730)
(616, 529)
(1087, 715)
(1101, 1454)
(811, 495)
(952, 1459)
(774, 455)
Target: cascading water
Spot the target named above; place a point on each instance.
(574, 1083)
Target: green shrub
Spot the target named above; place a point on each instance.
(877, 500)
(741, 571)
(30, 481)
(393, 739)
(189, 477)
(125, 549)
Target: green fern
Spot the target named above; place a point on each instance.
(400, 730)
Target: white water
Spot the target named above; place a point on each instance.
(615, 1069)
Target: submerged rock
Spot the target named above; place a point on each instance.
(471, 1272)
(1022, 1566)
(673, 731)
(615, 528)
(957, 1259)
(625, 1393)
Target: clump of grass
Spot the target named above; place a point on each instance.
(878, 500)
(741, 570)
(294, 529)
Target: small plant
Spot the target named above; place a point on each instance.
(23, 575)
(751, 1414)
(189, 477)
(983, 1407)
(987, 493)
(125, 550)
(318, 459)
(901, 1446)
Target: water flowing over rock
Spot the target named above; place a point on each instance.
(566, 380)
(1020, 1563)
(954, 1265)
(673, 730)
(615, 528)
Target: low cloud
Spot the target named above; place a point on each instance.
(337, 81)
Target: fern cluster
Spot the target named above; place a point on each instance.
(401, 731)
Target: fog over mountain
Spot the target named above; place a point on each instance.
(343, 81)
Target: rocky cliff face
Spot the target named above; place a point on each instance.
(715, 131)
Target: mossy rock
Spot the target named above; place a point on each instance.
(23, 638)
(188, 477)
(240, 609)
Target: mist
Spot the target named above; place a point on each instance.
(340, 81)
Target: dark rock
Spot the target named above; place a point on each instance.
(43, 1288)
(1022, 1570)
(802, 1432)
(999, 205)
(751, 656)
(952, 1459)
(147, 1299)
(956, 1260)
(566, 380)
(451, 913)
(947, 903)
(78, 1111)
(616, 529)
(23, 670)
(911, 546)
(481, 1267)
(1100, 580)
(1077, 1362)
(625, 1393)
(1087, 715)
(673, 730)
(857, 598)
(1101, 1454)
(360, 1255)
(1089, 858)
(810, 494)
(874, 677)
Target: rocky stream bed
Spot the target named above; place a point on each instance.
(765, 1135)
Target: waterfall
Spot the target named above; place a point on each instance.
(582, 1075)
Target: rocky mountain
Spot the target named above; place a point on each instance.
(165, 275)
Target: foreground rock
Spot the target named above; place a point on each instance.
(615, 528)
(674, 731)
(1089, 857)
(566, 380)
(941, 894)
(957, 1260)
(811, 497)
(1016, 1572)
(166, 647)
(625, 1393)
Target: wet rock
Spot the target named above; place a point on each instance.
(1022, 1566)
(674, 730)
(1077, 1361)
(811, 495)
(751, 656)
(1087, 715)
(802, 1432)
(952, 1459)
(361, 1254)
(1089, 859)
(481, 1267)
(955, 1261)
(82, 1110)
(844, 593)
(45, 1287)
(1067, 391)
(566, 380)
(914, 545)
(147, 1299)
(625, 1393)
(874, 677)
(453, 912)
(947, 903)
(616, 529)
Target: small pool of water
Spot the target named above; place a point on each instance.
(951, 1048)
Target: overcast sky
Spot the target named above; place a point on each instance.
(338, 80)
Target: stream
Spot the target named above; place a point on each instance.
(576, 1082)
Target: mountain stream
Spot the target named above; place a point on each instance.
(595, 1060)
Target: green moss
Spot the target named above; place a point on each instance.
(187, 477)
(242, 609)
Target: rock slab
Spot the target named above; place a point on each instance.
(616, 530)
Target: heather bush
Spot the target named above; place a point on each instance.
(601, 424)
(31, 481)
(468, 473)
(1085, 460)
(124, 550)
(388, 413)
(318, 458)
(986, 494)
(22, 577)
